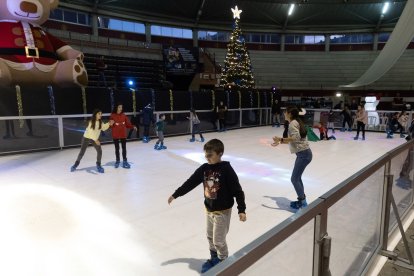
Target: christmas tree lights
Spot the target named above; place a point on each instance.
(237, 72)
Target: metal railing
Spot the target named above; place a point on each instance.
(355, 218)
(60, 131)
(31, 133)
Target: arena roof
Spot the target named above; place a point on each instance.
(258, 15)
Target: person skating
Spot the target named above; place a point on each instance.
(91, 135)
(362, 120)
(276, 108)
(160, 127)
(299, 146)
(147, 119)
(221, 186)
(221, 114)
(195, 125)
(121, 123)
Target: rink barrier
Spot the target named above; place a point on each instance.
(382, 176)
(63, 131)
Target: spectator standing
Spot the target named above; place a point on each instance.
(101, 67)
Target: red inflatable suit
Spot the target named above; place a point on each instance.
(28, 54)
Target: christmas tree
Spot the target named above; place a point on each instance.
(237, 71)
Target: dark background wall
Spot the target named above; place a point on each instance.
(69, 100)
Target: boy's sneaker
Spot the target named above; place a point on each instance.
(298, 204)
(100, 169)
(126, 165)
(192, 140)
(116, 164)
(209, 264)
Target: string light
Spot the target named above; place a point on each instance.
(84, 100)
(134, 102)
(213, 99)
(171, 104)
(237, 66)
(19, 105)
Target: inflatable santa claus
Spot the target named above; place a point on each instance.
(28, 54)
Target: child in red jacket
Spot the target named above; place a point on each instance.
(121, 123)
(323, 132)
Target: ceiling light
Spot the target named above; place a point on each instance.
(291, 8)
(385, 7)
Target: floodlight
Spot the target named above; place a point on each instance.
(291, 8)
(385, 7)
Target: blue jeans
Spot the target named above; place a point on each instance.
(303, 158)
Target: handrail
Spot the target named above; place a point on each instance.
(252, 252)
(127, 113)
(256, 249)
(262, 118)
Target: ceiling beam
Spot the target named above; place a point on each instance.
(199, 12)
(220, 25)
(360, 16)
(261, 11)
(109, 1)
(379, 22)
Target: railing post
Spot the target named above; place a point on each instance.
(260, 117)
(267, 116)
(321, 246)
(61, 137)
(386, 206)
(390, 201)
(240, 117)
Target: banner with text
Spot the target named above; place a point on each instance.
(180, 60)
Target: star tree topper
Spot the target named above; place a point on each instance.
(236, 12)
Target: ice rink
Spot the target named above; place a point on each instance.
(57, 222)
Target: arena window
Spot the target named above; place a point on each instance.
(70, 16)
(214, 36)
(305, 39)
(383, 37)
(262, 38)
(171, 32)
(121, 25)
(352, 39)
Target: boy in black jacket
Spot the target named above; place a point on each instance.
(220, 184)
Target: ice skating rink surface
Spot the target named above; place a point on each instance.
(57, 222)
